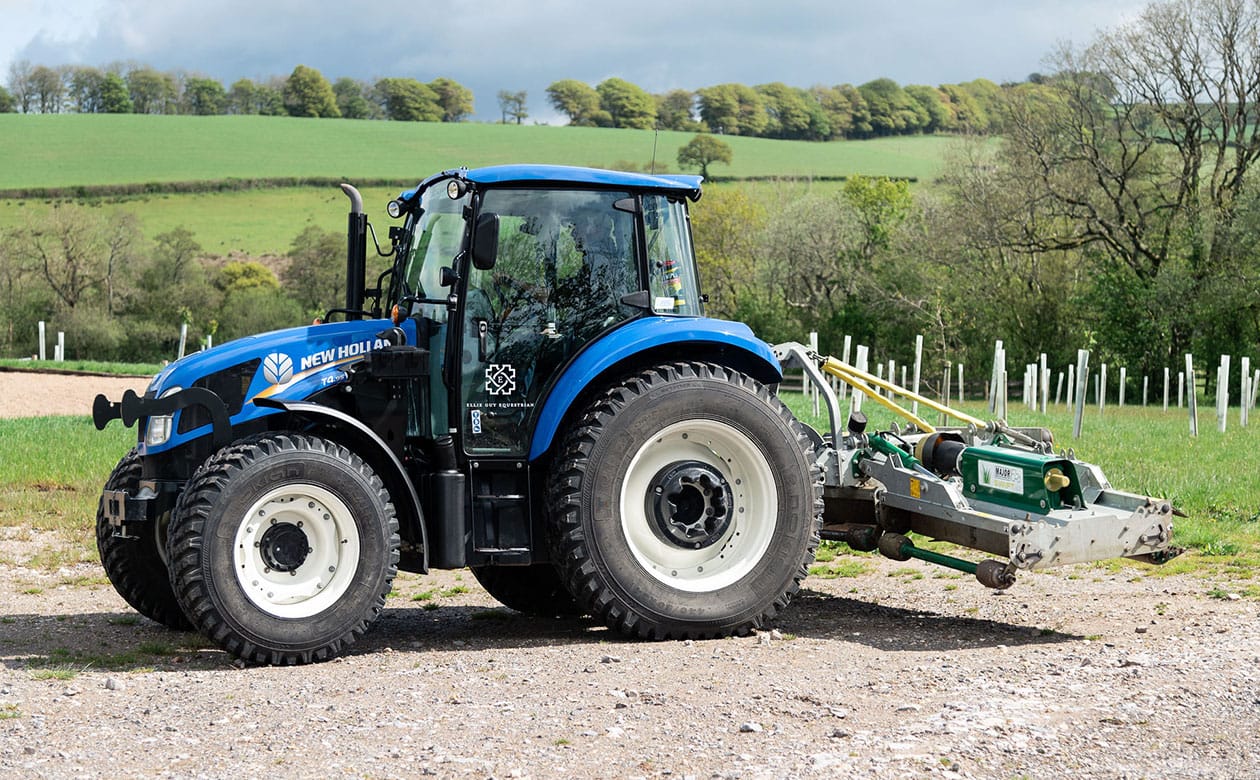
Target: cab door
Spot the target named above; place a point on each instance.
(565, 259)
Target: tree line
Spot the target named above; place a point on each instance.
(140, 89)
(821, 113)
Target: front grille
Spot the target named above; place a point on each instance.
(230, 384)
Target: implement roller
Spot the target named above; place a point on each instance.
(982, 485)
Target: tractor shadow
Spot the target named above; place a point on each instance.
(820, 615)
(66, 644)
(63, 645)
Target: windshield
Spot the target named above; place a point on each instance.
(438, 236)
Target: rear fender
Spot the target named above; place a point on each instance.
(650, 341)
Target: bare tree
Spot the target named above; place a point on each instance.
(20, 85)
(513, 105)
(1136, 152)
(78, 255)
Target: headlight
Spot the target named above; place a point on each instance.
(160, 426)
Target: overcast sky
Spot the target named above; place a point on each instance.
(490, 45)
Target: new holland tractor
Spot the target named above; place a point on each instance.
(531, 390)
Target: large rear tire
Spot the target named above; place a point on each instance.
(686, 503)
(534, 590)
(135, 565)
(283, 548)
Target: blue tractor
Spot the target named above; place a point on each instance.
(530, 390)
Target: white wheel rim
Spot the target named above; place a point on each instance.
(328, 568)
(754, 513)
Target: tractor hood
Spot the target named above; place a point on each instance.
(289, 364)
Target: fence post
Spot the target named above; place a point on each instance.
(1123, 378)
(1222, 395)
(1181, 388)
(43, 353)
(1045, 384)
(1002, 388)
(855, 400)
(1058, 389)
(1071, 394)
(1165, 388)
(998, 363)
(61, 346)
(918, 364)
(1146, 386)
(1082, 378)
(1244, 392)
(1100, 387)
(813, 392)
(1191, 401)
(183, 338)
(960, 383)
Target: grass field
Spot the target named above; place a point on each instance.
(81, 150)
(83, 366)
(52, 470)
(63, 150)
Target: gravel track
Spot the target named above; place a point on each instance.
(905, 671)
(29, 394)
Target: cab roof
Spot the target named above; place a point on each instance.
(683, 184)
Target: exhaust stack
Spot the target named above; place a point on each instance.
(356, 254)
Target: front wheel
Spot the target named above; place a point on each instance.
(283, 548)
(135, 564)
(686, 503)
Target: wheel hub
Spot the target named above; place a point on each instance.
(689, 503)
(284, 547)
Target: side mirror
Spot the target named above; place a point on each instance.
(485, 246)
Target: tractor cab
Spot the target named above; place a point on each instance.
(516, 269)
(509, 274)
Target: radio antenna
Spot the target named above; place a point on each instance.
(656, 133)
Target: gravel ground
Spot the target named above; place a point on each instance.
(905, 671)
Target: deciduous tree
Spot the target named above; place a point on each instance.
(704, 150)
(352, 99)
(578, 101)
(733, 109)
(204, 96)
(407, 100)
(307, 93)
(114, 96)
(455, 100)
(627, 104)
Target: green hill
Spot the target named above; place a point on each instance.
(68, 151)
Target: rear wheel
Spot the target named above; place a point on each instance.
(135, 564)
(534, 590)
(686, 503)
(283, 548)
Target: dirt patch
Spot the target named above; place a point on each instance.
(906, 671)
(31, 394)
